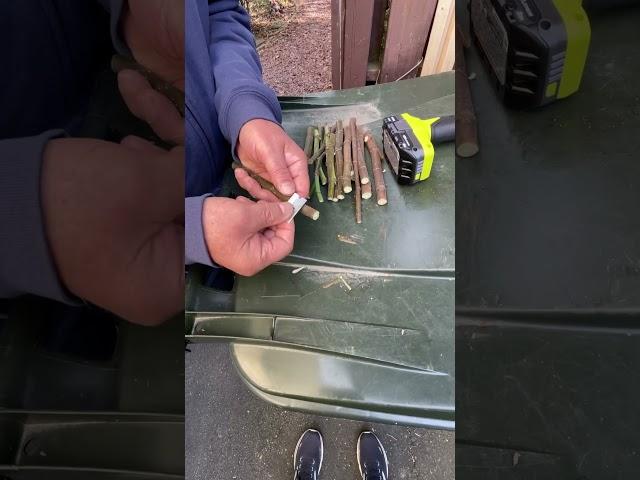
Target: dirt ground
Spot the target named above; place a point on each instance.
(296, 56)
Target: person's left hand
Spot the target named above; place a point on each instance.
(266, 149)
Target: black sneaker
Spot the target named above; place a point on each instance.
(307, 459)
(372, 459)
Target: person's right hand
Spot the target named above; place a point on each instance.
(245, 236)
(114, 219)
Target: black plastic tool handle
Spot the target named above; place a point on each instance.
(444, 130)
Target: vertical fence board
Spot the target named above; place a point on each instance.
(440, 48)
(377, 29)
(357, 39)
(337, 42)
(407, 33)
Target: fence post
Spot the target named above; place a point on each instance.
(358, 19)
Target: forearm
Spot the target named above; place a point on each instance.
(240, 95)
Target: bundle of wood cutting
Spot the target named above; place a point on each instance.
(338, 150)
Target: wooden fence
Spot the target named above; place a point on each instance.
(377, 41)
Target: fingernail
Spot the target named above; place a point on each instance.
(287, 188)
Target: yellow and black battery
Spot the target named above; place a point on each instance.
(409, 144)
(536, 50)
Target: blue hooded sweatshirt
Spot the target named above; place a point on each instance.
(224, 90)
(52, 51)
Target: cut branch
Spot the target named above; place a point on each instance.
(308, 144)
(316, 180)
(307, 211)
(363, 173)
(376, 166)
(353, 131)
(330, 143)
(339, 159)
(346, 166)
(316, 155)
(357, 197)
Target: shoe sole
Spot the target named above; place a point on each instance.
(295, 452)
(384, 452)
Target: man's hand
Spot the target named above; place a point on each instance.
(265, 148)
(114, 218)
(245, 236)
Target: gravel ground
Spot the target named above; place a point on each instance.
(297, 59)
(232, 434)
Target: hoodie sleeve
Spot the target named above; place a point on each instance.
(240, 93)
(26, 264)
(114, 7)
(195, 247)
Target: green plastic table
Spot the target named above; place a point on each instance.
(358, 321)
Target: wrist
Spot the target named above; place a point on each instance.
(197, 212)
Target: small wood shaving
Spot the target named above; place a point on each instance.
(350, 239)
(331, 283)
(345, 283)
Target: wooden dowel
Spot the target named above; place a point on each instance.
(307, 211)
(376, 166)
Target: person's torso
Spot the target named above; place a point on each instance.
(207, 151)
(51, 51)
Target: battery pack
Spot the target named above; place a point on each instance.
(536, 50)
